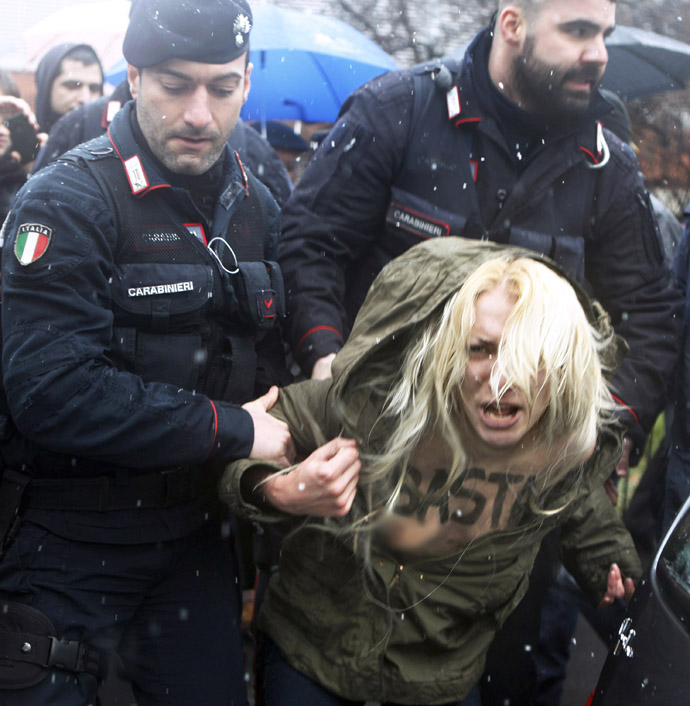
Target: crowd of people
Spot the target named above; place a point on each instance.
(487, 318)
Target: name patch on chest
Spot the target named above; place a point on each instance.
(419, 224)
(154, 289)
(153, 239)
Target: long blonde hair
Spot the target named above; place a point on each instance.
(547, 333)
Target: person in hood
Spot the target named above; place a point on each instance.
(504, 144)
(469, 415)
(67, 76)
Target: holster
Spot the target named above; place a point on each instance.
(29, 649)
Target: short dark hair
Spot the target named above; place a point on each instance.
(529, 7)
(83, 54)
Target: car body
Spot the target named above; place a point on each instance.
(650, 664)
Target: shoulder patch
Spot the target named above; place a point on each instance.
(32, 242)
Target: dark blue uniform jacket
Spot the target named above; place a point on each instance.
(90, 389)
(395, 171)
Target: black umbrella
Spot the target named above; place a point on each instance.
(643, 63)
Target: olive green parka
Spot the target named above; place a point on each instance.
(417, 631)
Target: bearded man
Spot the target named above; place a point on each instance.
(505, 145)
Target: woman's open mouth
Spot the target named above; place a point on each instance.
(496, 414)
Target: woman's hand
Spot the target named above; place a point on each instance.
(617, 587)
(323, 485)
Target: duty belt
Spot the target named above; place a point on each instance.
(125, 492)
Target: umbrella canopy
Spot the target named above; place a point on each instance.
(305, 66)
(101, 24)
(643, 63)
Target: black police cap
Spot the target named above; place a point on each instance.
(209, 31)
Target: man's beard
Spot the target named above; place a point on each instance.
(542, 87)
(185, 163)
(159, 137)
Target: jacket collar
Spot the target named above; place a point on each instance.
(144, 172)
(472, 113)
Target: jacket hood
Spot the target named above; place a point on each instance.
(413, 286)
(46, 73)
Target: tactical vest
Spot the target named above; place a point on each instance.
(185, 314)
(434, 193)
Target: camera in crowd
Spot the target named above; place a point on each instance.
(23, 137)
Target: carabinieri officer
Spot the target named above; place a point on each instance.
(138, 283)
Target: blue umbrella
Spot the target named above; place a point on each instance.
(116, 73)
(305, 66)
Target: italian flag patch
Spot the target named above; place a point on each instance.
(32, 242)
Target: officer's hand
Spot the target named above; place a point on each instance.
(322, 368)
(617, 588)
(272, 440)
(323, 485)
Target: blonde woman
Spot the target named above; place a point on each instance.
(469, 415)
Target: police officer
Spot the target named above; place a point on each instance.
(138, 294)
(93, 119)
